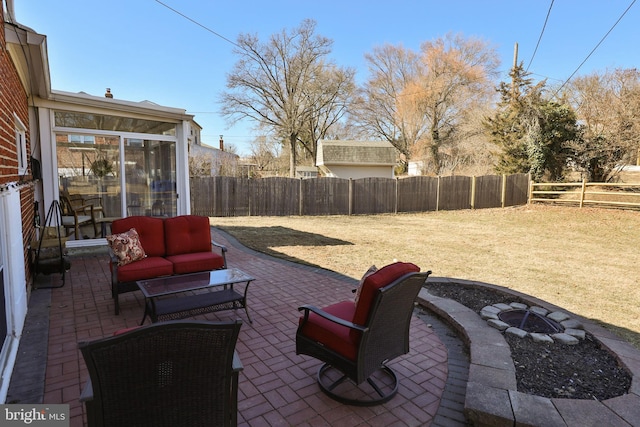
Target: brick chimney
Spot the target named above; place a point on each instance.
(221, 143)
(108, 94)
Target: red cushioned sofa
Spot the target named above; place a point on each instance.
(176, 245)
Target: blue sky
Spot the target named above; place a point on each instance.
(143, 50)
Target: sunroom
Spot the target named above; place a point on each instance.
(125, 158)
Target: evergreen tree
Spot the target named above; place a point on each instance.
(531, 131)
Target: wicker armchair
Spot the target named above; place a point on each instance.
(178, 373)
(356, 340)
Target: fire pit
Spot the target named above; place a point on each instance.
(530, 321)
(536, 322)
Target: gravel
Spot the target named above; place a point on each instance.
(552, 370)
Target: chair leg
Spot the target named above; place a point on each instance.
(353, 394)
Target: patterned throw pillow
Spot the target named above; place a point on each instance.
(126, 246)
(368, 273)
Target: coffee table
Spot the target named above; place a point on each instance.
(165, 299)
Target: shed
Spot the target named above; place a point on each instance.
(356, 159)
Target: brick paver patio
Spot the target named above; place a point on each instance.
(277, 387)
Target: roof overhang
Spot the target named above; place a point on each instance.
(28, 50)
(61, 100)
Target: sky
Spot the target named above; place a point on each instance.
(178, 53)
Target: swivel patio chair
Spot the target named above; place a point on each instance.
(357, 340)
(177, 373)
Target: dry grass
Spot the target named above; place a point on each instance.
(584, 260)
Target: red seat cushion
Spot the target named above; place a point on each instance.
(375, 281)
(145, 269)
(331, 335)
(199, 261)
(150, 230)
(187, 234)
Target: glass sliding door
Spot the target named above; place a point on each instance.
(150, 177)
(88, 170)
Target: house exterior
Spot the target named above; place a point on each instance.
(356, 159)
(18, 84)
(306, 172)
(210, 161)
(124, 153)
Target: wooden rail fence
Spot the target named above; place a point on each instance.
(621, 195)
(277, 196)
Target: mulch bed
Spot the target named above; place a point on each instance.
(552, 370)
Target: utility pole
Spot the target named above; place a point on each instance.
(513, 71)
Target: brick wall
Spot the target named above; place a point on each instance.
(14, 100)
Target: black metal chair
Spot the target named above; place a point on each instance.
(357, 340)
(178, 373)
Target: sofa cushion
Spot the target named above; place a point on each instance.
(199, 261)
(146, 268)
(150, 230)
(187, 234)
(381, 278)
(126, 246)
(330, 334)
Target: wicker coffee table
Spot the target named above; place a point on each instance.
(186, 295)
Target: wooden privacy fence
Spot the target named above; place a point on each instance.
(277, 196)
(586, 193)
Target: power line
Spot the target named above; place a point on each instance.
(541, 33)
(197, 23)
(594, 49)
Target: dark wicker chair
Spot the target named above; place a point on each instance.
(178, 373)
(356, 340)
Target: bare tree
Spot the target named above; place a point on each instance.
(456, 79)
(276, 83)
(608, 109)
(331, 93)
(391, 70)
(421, 102)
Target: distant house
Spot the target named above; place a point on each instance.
(209, 161)
(306, 172)
(356, 159)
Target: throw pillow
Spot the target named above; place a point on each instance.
(368, 273)
(126, 246)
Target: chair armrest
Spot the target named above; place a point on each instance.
(87, 392)
(222, 247)
(236, 365)
(330, 317)
(223, 251)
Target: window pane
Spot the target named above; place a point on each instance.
(150, 177)
(90, 171)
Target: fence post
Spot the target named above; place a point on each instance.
(584, 186)
(396, 204)
(300, 197)
(438, 195)
(503, 195)
(250, 192)
(350, 196)
(473, 192)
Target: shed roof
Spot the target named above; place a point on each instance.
(346, 152)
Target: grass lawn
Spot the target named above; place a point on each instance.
(584, 260)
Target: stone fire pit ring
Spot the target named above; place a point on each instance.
(492, 398)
